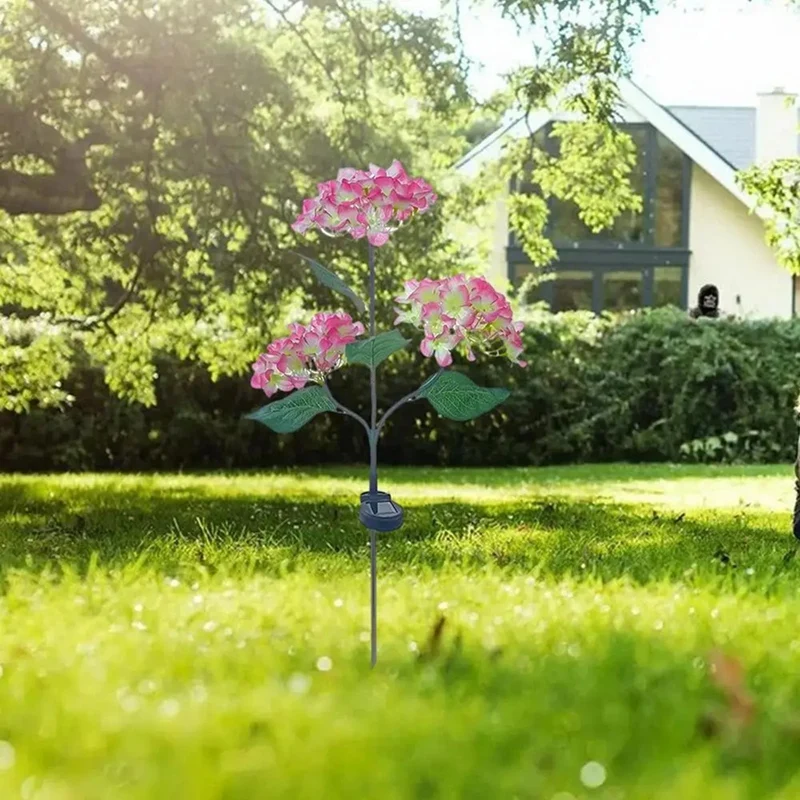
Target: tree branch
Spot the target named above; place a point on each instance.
(44, 194)
(67, 189)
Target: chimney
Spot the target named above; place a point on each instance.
(776, 126)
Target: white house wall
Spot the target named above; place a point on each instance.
(498, 266)
(728, 250)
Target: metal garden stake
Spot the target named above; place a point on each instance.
(459, 313)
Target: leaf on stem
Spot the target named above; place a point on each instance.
(291, 413)
(376, 349)
(333, 281)
(455, 396)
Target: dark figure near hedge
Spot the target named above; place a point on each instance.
(707, 302)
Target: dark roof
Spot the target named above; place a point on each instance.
(730, 130)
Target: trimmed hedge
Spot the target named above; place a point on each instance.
(652, 386)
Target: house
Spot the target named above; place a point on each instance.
(696, 226)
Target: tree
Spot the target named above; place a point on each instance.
(153, 155)
(580, 49)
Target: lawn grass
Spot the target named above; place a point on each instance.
(205, 636)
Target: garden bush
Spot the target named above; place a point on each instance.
(649, 386)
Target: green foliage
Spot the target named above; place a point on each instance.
(293, 412)
(730, 447)
(455, 396)
(202, 636)
(592, 170)
(34, 360)
(376, 349)
(153, 157)
(641, 387)
(527, 217)
(776, 188)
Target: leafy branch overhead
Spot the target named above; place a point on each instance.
(776, 188)
(153, 155)
(585, 163)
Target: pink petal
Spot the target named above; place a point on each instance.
(378, 238)
(444, 358)
(386, 184)
(396, 171)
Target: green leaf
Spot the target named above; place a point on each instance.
(455, 396)
(376, 349)
(333, 281)
(291, 413)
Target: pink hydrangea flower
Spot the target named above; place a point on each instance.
(440, 347)
(460, 312)
(307, 354)
(371, 203)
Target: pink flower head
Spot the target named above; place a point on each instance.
(434, 319)
(371, 203)
(456, 300)
(307, 354)
(409, 287)
(459, 311)
(440, 347)
(427, 291)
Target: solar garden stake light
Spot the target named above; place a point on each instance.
(457, 313)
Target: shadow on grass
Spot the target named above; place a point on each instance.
(192, 525)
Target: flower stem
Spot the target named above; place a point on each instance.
(373, 444)
(409, 398)
(373, 467)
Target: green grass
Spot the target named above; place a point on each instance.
(199, 637)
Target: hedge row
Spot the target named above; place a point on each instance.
(653, 386)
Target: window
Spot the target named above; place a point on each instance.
(669, 195)
(607, 287)
(668, 286)
(660, 177)
(642, 261)
(566, 225)
(572, 290)
(623, 291)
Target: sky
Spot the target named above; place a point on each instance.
(697, 52)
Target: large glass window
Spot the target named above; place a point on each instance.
(669, 195)
(566, 224)
(606, 288)
(668, 286)
(658, 177)
(623, 290)
(572, 290)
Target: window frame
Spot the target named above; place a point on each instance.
(598, 274)
(610, 255)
